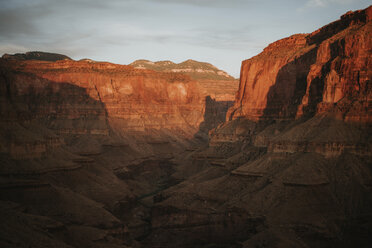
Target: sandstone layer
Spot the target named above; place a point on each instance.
(218, 87)
(216, 83)
(81, 142)
(141, 99)
(291, 165)
(306, 74)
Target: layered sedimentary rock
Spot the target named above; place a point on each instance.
(141, 99)
(293, 158)
(218, 87)
(291, 167)
(41, 102)
(216, 83)
(197, 70)
(81, 142)
(307, 74)
(324, 74)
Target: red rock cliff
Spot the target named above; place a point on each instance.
(92, 97)
(307, 74)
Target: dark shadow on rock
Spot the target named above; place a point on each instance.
(46, 190)
(286, 94)
(61, 107)
(214, 114)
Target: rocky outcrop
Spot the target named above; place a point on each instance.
(197, 70)
(216, 83)
(89, 97)
(75, 128)
(324, 75)
(36, 56)
(294, 153)
(104, 167)
(324, 135)
(218, 87)
(307, 74)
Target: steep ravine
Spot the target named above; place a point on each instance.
(85, 146)
(293, 158)
(95, 154)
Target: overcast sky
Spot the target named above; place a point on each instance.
(222, 32)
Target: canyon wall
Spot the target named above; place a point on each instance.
(215, 83)
(217, 87)
(81, 142)
(324, 75)
(293, 158)
(85, 149)
(140, 99)
(84, 97)
(307, 74)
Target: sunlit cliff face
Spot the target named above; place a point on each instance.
(307, 74)
(96, 154)
(139, 98)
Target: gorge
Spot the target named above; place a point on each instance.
(159, 154)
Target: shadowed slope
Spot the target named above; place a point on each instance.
(293, 159)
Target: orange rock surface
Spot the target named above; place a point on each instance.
(216, 83)
(307, 74)
(70, 93)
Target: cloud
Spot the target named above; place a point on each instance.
(316, 3)
(12, 48)
(207, 3)
(230, 38)
(123, 29)
(46, 23)
(324, 3)
(19, 21)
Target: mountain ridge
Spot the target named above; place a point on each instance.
(36, 55)
(197, 70)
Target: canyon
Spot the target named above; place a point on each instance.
(86, 132)
(158, 154)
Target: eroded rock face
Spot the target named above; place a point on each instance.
(325, 76)
(218, 87)
(70, 91)
(216, 83)
(41, 102)
(307, 74)
(294, 151)
(197, 70)
(285, 172)
(71, 133)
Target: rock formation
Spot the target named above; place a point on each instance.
(311, 73)
(140, 99)
(218, 87)
(291, 165)
(216, 83)
(197, 70)
(70, 130)
(70, 127)
(36, 56)
(103, 155)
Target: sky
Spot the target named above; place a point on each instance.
(221, 32)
